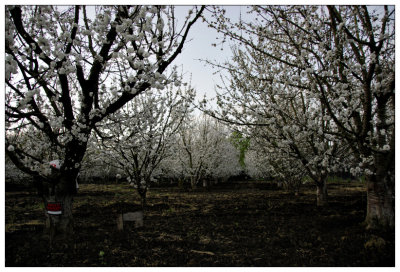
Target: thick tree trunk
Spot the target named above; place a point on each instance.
(381, 184)
(59, 224)
(58, 201)
(322, 193)
(380, 203)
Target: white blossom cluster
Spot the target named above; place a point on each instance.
(69, 67)
(142, 134)
(314, 82)
(203, 151)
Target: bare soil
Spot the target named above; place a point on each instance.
(240, 224)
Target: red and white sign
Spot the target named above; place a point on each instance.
(54, 208)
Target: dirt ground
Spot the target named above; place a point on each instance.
(243, 224)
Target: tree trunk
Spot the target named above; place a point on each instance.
(380, 203)
(58, 200)
(193, 182)
(143, 197)
(143, 202)
(59, 224)
(381, 184)
(322, 193)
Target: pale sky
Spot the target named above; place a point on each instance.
(199, 47)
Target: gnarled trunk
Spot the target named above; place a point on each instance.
(380, 203)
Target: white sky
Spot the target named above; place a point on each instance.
(199, 48)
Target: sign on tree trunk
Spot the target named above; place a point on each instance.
(54, 208)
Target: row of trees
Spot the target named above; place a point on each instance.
(314, 85)
(156, 137)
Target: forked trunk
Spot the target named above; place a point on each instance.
(380, 203)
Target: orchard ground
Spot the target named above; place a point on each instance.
(236, 224)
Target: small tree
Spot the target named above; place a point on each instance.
(276, 164)
(140, 136)
(204, 152)
(283, 117)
